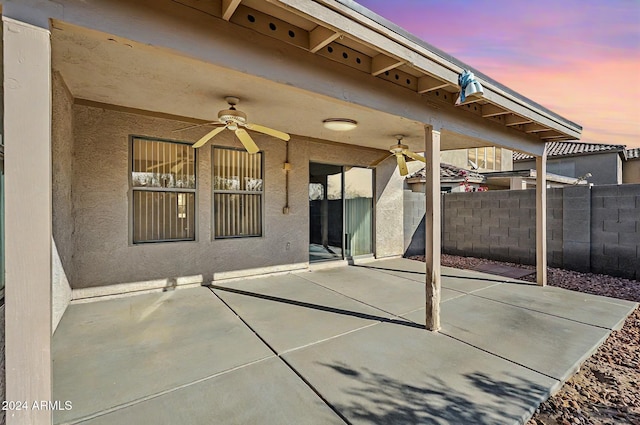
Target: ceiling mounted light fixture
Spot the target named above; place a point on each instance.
(339, 124)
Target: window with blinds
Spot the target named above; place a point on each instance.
(237, 193)
(163, 180)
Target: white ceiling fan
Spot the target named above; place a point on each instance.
(400, 151)
(234, 120)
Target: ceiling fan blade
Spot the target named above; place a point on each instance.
(402, 164)
(194, 126)
(377, 162)
(414, 155)
(247, 141)
(207, 137)
(269, 131)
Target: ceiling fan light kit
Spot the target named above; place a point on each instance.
(339, 124)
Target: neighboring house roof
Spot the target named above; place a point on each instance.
(531, 175)
(557, 149)
(633, 153)
(448, 174)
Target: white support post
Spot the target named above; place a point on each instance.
(541, 218)
(27, 138)
(432, 228)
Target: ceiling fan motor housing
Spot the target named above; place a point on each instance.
(232, 117)
(399, 148)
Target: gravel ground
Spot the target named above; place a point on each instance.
(606, 390)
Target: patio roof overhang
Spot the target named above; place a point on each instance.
(327, 58)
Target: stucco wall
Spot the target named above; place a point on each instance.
(631, 171)
(62, 210)
(102, 251)
(605, 168)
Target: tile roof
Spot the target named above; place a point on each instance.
(570, 148)
(633, 153)
(450, 172)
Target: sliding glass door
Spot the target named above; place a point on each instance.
(358, 207)
(325, 212)
(340, 211)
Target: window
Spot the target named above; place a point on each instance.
(237, 193)
(489, 158)
(163, 180)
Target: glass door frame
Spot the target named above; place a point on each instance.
(343, 236)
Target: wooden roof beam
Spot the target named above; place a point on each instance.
(547, 135)
(320, 36)
(427, 83)
(228, 8)
(534, 127)
(514, 119)
(467, 100)
(382, 63)
(491, 110)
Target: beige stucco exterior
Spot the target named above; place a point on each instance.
(631, 171)
(91, 200)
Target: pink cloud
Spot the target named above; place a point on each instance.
(598, 94)
(579, 58)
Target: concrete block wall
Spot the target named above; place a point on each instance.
(615, 230)
(588, 229)
(555, 227)
(576, 229)
(494, 224)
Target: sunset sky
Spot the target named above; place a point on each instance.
(579, 58)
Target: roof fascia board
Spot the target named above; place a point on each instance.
(341, 18)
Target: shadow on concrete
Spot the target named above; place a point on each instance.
(377, 398)
(484, 279)
(386, 269)
(320, 307)
(480, 278)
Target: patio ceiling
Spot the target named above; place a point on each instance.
(102, 68)
(109, 69)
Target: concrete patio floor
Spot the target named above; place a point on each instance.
(338, 345)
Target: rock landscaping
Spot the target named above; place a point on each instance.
(606, 390)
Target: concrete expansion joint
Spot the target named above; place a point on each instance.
(346, 296)
(499, 356)
(160, 393)
(474, 294)
(284, 361)
(291, 350)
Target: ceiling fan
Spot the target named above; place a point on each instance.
(400, 151)
(234, 120)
